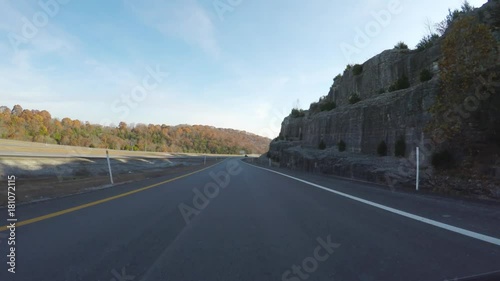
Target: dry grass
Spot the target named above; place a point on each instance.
(13, 147)
(32, 189)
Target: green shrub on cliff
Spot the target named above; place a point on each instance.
(382, 149)
(314, 108)
(327, 106)
(354, 98)
(324, 104)
(297, 113)
(401, 46)
(400, 84)
(357, 69)
(425, 75)
(427, 42)
(342, 146)
(322, 145)
(400, 147)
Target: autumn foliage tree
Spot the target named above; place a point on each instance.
(39, 126)
(469, 50)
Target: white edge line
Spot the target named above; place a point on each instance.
(455, 229)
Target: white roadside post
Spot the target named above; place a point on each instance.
(418, 168)
(205, 160)
(270, 163)
(109, 167)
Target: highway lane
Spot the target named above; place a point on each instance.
(260, 226)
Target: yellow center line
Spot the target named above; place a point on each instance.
(66, 211)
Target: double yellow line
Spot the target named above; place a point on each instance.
(66, 211)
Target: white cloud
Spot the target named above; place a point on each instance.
(186, 20)
(23, 30)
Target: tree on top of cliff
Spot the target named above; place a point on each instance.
(442, 27)
(401, 46)
(297, 113)
(453, 15)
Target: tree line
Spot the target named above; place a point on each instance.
(39, 126)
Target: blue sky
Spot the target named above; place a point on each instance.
(227, 63)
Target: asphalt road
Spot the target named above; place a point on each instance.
(252, 224)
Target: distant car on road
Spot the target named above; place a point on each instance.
(246, 155)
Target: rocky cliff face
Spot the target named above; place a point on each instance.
(381, 71)
(380, 116)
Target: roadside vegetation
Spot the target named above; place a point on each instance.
(40, 126)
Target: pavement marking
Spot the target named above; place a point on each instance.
(62, 212)
(474, 277)
(455, 229)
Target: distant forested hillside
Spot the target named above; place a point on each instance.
(39, 126)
